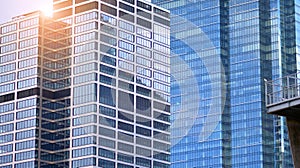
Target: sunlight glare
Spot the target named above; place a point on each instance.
(47, 10)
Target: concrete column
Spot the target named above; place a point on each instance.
(294, 136)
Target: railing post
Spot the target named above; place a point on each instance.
(288, 86)
(266, 91)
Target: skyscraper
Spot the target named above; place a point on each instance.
(222, 50)
(89, 87)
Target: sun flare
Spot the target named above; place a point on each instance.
(47, 10)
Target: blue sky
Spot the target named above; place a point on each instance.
(11, 8)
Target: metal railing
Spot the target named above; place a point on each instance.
(282, 89)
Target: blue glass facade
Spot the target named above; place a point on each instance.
(221, 53)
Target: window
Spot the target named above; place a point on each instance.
(143, 32)
(7, 77)
(85, 78)
(85, 109)
(86, 37)
(86, 47)
(6, 138)
(126, 7)
(7, 88)
(144, 52)
(28, 83)
(7, 67)
(28, 72)
(109, 10)
(29, 52)
(86, 27)
(126, 36)
(85, 130)
(29, 42)
(27, 124)
(108, 19)
(83, 152)
(107, 96)
(85, 120)
(143, 42)
(107, 111)
(84, 141)
(86, 57)
(8, 38)
(86, 17)
(126, 46)
(143, 61)
(108, 29)
(126, 65)
(126, 55)
(29, 32)
(6, 148)
(126, 26)
(8, 28)
(28, 62)
(29, 22)
(7, 58)
(85, 68)
(8, 48)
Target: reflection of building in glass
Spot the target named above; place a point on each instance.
(228, 48)
(87, 88)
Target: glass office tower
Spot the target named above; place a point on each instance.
(89, 87)
(227, 48)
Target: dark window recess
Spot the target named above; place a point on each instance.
(161, 136)
(125, 101)
(29, 92)
(56, 95)
(125, 126)
(144, 14)
(162, 156)
(107, 96)
(161, 126)
(79, 1)
(106, 163)
(162, 21)
(61, 14)
(107, 111)
(129, 1)
(107, 80)
(143, 131)
(86, 7)
(125, 158)
(7, 97)
(126, 16)
(62, 5)
(161, 13)
(144, 5)
(108, 9)
(125, 137)
(143, 121)
(143, 106)
(161, 116)
(108, 60)
(144, 23)
(143, 162)
(112, 2)
(125, 116)
(126, 86)
(125, 147)
(161, 146)
(126, 76)
(143, 91)
(126, 7)
(161, 106)
(143, 141)
(107, 122)
(107, 132)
